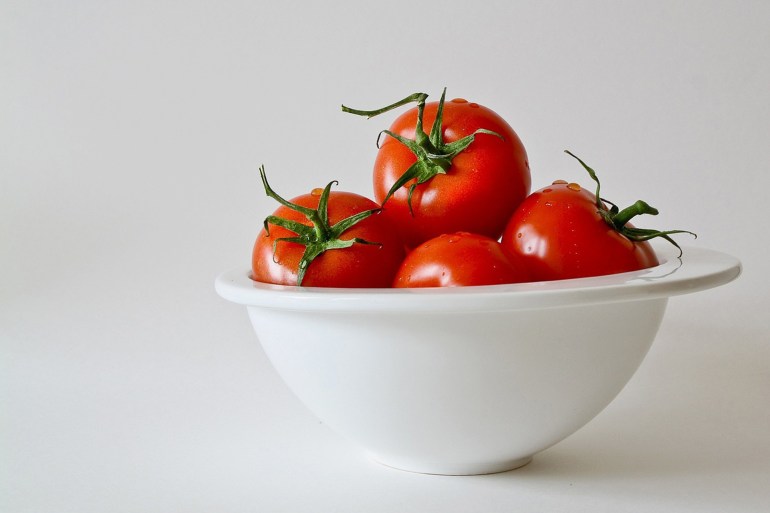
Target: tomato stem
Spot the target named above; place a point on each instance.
(618, 219)
(416, 97)
(624, 216)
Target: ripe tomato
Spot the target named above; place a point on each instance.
(327, 239)
(459, 259)
(471, 173)
(563, 231)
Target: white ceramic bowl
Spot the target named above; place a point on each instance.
(467, 380)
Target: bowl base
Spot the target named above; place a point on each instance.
(455, 470)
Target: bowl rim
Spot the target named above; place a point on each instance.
(698, 269)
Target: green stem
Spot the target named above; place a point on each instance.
(416, 97)
(624, 216)
(618, 219)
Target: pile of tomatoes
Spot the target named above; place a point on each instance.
(451, 207)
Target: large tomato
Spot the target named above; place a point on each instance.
(459, 259)
(468, 174)
(563, 231)
(327, 239)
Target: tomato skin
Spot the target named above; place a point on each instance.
(457, 260)
(558, 232)
(360, 265)
(480, 190)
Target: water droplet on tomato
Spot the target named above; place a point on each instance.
(573, 186)
(519, 235)
(453, 239)
(559, 182)
(547, 190)
(548, 204)
(473, 105)
(316, 192)
(459, 100)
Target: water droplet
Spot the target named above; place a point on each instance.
(473, 105)
(453, 239)
(459, 100)
(519, 235)
(547, 190)
(548, 204)
(573, 186)
(316, 192)
(559, 182)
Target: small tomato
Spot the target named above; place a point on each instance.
(326, 239)
(565, 231)
(468, 174)
(459, 259)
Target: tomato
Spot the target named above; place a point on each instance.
(563, 231)
(559, 233)
(327, 239)
(459, 259)
(471, 174)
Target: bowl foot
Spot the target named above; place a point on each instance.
(454, 470)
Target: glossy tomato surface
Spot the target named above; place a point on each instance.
(479, 191)
(360, 265)
(559, 234)
(459, 259)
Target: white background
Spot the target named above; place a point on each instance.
(130, 137)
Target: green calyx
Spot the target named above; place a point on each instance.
(319, 237)
(618, 219)
(434, 156)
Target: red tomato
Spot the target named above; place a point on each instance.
(366, 254)
(561, 231)
(559, 234)
(459, 259)
(475, 190)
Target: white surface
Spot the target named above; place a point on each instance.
(131, 136)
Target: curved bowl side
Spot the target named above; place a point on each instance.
(459, 394)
